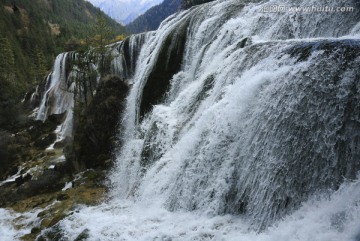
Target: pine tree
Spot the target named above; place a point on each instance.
(101, 39)
(40, 65)
(7, 63)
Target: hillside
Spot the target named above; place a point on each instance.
(152, 18)
(190, 3)
(124, 11)
(32, 33)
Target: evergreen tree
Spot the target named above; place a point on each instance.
(40, 65)
(7, 63)
(101, 39)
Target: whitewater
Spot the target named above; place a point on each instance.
(240, 125)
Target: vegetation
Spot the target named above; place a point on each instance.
(152, 18)
(32, 33)
(189, 3)
(89, 53)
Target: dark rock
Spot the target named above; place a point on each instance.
(62, 143)
(62, 168)
(19, 180)
(38, 128)
(27, 177)
(13, 171)
(62, 197)
(95, 128)
(5, 160)
(45, 140)
(35, 230)
(50, 181)
(57, 118)
(84, 235)
(168, 63)
(23, 138)
(53, 233)
(189, 3)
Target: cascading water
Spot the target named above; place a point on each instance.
(58, 97)
(125, 55)
(240, 125)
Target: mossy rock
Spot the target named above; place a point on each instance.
(95, 126)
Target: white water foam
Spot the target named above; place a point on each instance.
(324, 217)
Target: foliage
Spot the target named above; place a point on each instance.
(100, 40)
(92, 61)
(118, 38)
(32, 33)
(7, 64)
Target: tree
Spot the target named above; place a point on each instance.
(91, 52)
(102, 37)
(85, 74)
(118, 38)
(7, 63)
(9, 109)
(39, 64)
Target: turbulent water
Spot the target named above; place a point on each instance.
(240, 125)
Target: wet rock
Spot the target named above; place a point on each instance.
(35, 230)
(168, 63)
(23, 138)
(60, 204)
(50, 181)
(38, 128)
(84, 235)
(62, 197)
(57, 118)
(22, 179)
(63, 168)
(62, 143)
(45, 140)
(54, 233)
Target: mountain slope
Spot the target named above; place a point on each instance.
(33, 33)
(124, 11)
(154, 16)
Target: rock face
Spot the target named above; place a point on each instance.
(94, 128)
(168, 63)
(25, 142)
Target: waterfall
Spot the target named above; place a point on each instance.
(241, 124)
(125, 55)
(58, 97)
